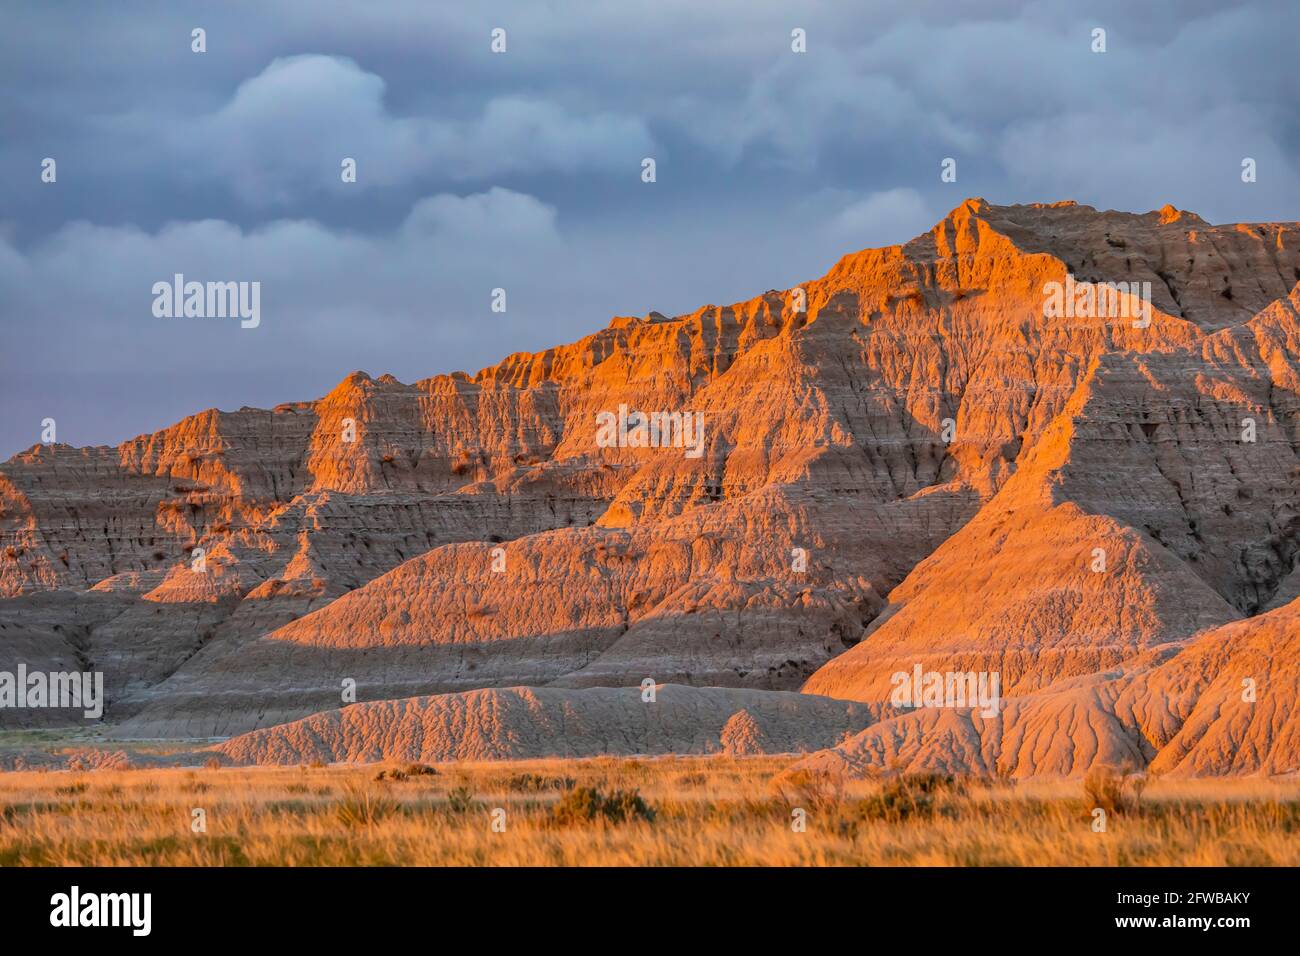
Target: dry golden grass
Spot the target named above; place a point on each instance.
(706, 811)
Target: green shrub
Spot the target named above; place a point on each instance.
(461, 800)
(587, 804)
(909, 797)
(536, 783)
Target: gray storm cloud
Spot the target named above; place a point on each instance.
(286, 130)
(522, 170)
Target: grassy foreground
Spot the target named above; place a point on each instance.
(671, 811)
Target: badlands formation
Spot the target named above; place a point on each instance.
(909, 462)
(520, 723)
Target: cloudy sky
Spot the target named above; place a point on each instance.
(522, 170)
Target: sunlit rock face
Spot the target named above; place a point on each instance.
(1040, 441)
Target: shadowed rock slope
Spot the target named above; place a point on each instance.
(517, 723)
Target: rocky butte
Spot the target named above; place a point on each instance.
(911, 462)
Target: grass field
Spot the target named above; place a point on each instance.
(668, 811)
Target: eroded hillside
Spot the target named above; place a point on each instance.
(908, 460)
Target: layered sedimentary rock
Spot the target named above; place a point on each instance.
(908, 461)
(1224, 703)
(1164, 500)
(519, 723)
